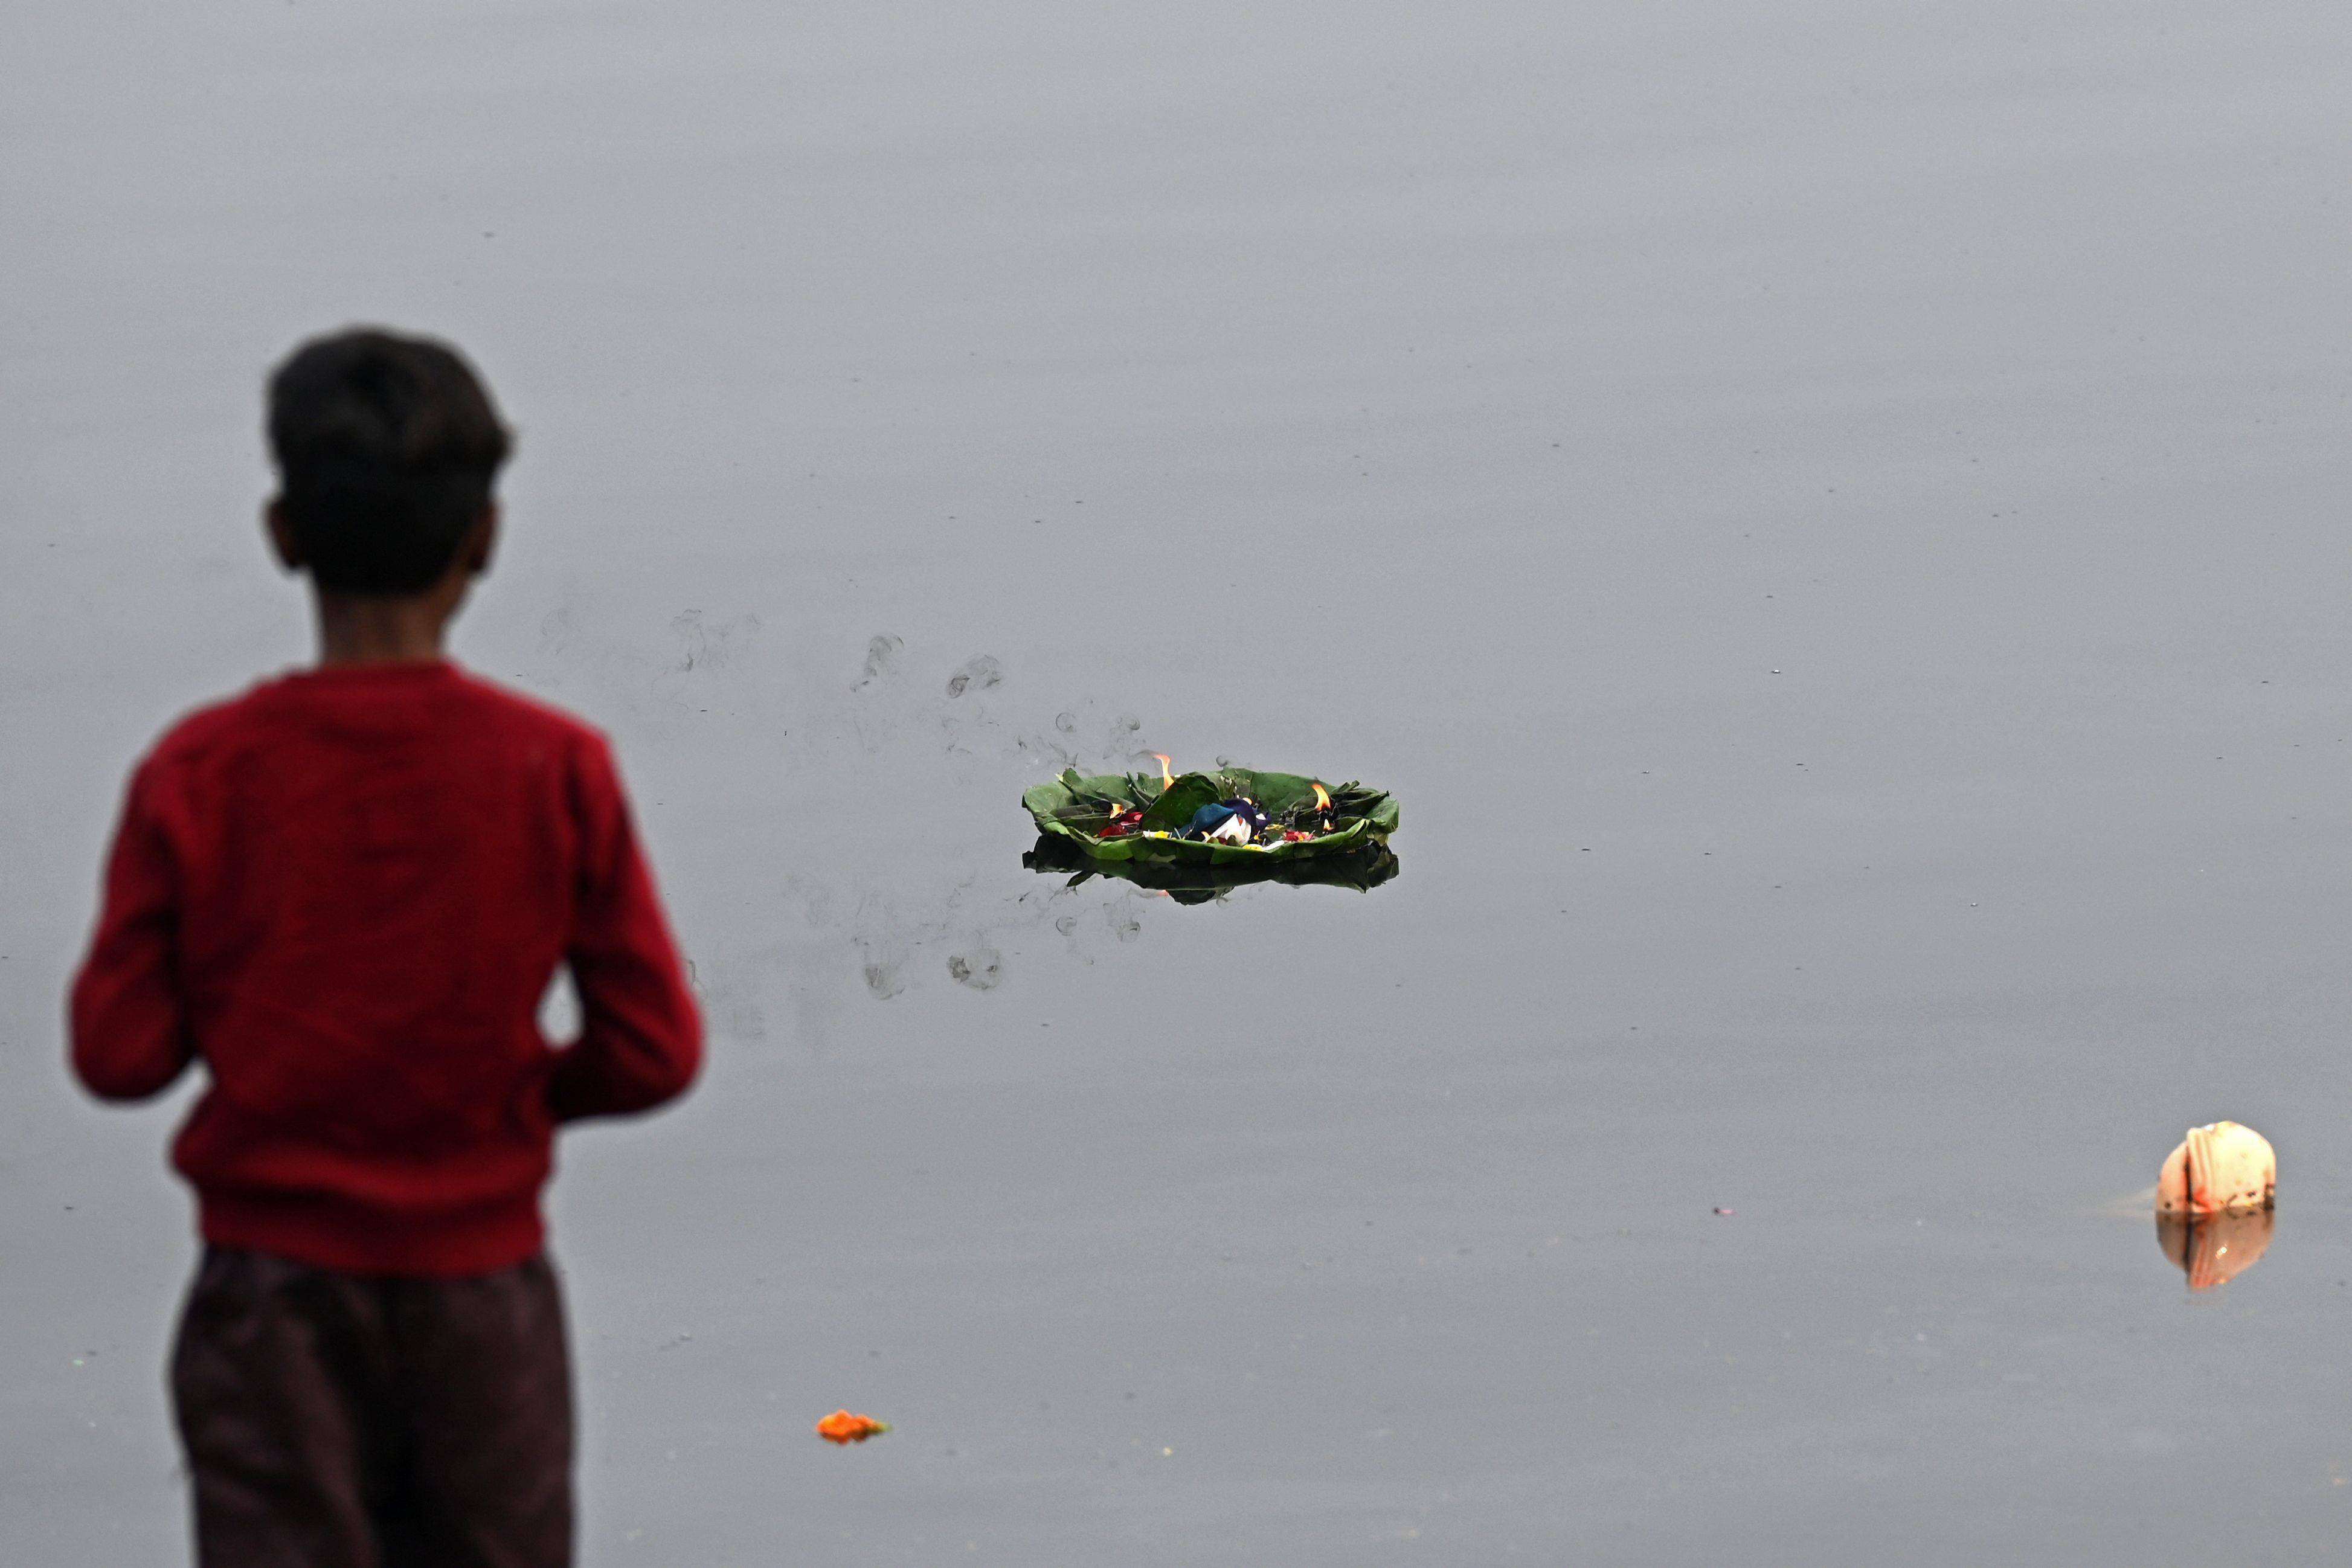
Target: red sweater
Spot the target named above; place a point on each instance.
(345, 893)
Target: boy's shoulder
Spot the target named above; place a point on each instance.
(525, 712)
(250, 716)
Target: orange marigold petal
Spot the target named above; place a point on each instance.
(843, 1426)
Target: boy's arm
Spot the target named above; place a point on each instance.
(640, 1041)
(129, 1033)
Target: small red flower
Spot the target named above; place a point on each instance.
(843, 1428)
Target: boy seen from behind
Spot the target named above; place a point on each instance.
(345, 893)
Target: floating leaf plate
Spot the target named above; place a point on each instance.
(1077, 809)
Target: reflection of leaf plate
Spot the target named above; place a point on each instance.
(1362, 868)
(1077, 809)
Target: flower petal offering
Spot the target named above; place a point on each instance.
(845, 1428)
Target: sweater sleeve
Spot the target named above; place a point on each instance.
(640, 1040)
(128, 1026)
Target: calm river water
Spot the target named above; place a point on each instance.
(1828, 513)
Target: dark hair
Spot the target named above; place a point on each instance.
(386, 447)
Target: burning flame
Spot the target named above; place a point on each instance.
(1322, 796)
(1166, 778)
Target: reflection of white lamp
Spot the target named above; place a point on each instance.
(2213, 1248)
(2220, 1169)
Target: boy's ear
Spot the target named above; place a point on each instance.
(483, 542)
(282, 542)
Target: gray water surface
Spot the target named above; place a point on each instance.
(1828, 515)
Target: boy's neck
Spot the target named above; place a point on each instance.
(367, 628)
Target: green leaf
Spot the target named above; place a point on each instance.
(1180, 800)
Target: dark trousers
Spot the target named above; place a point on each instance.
(337, 1420)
